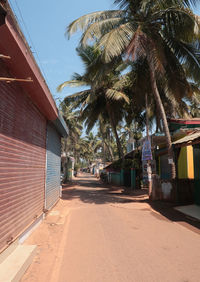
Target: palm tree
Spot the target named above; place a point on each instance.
(104, 133)
(93, 145)
(160, 32)
(105, 97)
(74, 126)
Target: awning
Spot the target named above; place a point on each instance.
(188, 140)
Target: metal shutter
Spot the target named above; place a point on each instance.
(22, 161)
(52, 191)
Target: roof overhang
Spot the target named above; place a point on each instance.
(22, 65)
(185, 121)
(190, 139)
(61, 127)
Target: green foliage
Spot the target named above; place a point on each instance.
(160, 42)
(127, 164)
(164, 32)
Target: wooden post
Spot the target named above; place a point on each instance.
(10, 79)
(122, 177)
(4, 57)
(133, 178)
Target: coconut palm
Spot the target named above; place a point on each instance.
(98, 108)
(74, 126)
(105, 97)
(104, 133)
(161, 32)
(94, 144)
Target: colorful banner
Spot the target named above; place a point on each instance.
(146, 151)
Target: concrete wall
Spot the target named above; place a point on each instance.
(180, 191)
(160, 189)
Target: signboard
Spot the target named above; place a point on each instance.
(170, 161)
(146, 150)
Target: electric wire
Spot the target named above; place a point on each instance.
(32, 47)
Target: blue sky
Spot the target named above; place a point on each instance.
(45, 23)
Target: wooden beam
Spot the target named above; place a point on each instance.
(4, 57)
(188, 143)
(9, 79)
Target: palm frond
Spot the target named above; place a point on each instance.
(181, 3)
(91, 98)
(123, 82)
(97, 29)
(188, 54)
(91, 114)
(196, 91)
(88, 54)
(179, 22)
(116, 41)
(116, 95)
(71, 83)
(85, 21)
(77, 76)
(133, 6)
(77, 98)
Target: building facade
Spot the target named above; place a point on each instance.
(30, 135)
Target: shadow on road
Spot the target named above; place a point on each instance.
(166, 210)
(90, 190)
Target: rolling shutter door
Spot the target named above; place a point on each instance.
(53, 167)
(22, 161)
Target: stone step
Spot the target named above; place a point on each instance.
(15, 265)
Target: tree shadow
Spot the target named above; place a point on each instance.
(93, 191)
(166, 211)
(96, 192)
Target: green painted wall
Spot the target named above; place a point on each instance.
(133, 178)
(196, 152)
(115, 178)
(182, 164)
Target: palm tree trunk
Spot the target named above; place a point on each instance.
(109, 142)
(163, 116)
(106, 143)
(114, 128)
(109, 150)
(158, 125)
(119, 147)
(104, 151)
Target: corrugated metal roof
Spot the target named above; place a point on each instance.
(188, 138)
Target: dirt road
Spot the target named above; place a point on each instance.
(99, 235)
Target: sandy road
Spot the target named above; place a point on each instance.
(108, 237)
